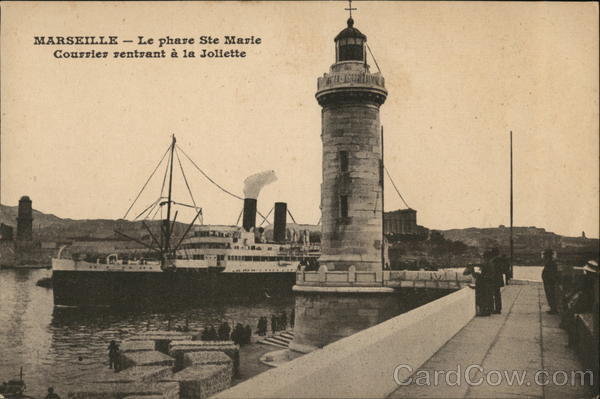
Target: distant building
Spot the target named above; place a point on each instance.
(401, 221)
(25, 220)
(6, 232)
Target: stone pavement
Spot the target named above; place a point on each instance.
(524, 342)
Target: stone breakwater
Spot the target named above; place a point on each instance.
(165, 364)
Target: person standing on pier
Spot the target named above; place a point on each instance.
(283, 321)
(113, 356)
(497, 270)
(51, 394)
(482, 301)
(550, 278)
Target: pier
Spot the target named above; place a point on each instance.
(394, 359)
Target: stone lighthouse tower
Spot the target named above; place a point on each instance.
(352, 190)
(347, 294)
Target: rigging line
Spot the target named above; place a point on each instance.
(396, 188)
(265, 219)
(185, 178)
(262, 216)
(149, 206)
(145, 184)
(239, 217)
(158, 208)
(162, 187)
(187, 205)
(376, 64)
(153, 208)
(292, 216)
(209, 179)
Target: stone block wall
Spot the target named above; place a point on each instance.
(148, 373)
(137, 346)
(178, 350)
(207, 357)
(146, 358)
(325, 317)
(200, 382)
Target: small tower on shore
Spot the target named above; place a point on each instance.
(352, 190)
(25, 220)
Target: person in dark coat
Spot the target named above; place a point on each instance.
(224, 331)
(237, 336)
(205, 334)
(51, 394)
(273, 323)
(113, 355)
(283, 320)
(481, 300)
(264, 327)
(487, 281)
(504, 263)
(292, 318)
(550, 279)
(212, 334)
(498, 267)
(247, 334)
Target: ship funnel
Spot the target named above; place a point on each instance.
(279, 223)
(249, 221)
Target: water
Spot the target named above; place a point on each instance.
(533, 273)
(55, 346)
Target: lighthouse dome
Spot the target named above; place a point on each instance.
(350, 32)
(349, 44)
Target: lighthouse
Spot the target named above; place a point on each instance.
(347, 293)
(352, 191)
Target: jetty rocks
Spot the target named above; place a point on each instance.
(167, 365)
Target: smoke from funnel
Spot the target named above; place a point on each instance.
(254, 183)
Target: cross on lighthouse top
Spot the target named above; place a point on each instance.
(350, 8)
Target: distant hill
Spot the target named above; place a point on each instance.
(531, 239)
(48, 227)
(8, 215)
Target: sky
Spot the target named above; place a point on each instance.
(81, 136)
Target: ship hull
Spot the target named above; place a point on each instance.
(135, 289)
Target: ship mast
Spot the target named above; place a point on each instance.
(167, 223)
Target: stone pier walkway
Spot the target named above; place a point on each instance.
(523, 340)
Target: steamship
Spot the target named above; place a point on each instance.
(206, 263)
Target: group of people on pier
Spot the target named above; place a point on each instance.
(570, 291)
(279, 322)
(490, 276)
(241, 335)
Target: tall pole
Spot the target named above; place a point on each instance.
(382, 177)
(168, 224)
(511, 206)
